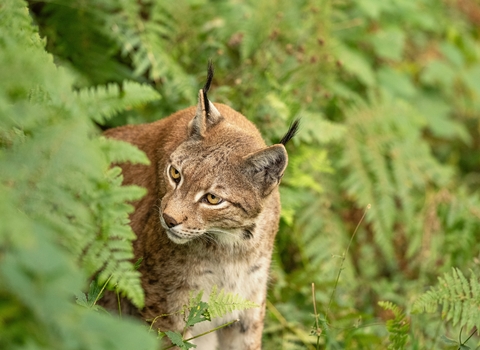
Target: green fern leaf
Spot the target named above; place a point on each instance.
(459, 297)
(390, 166)
(221, 303)
(103, 102)
(398, 327)
(118, 151)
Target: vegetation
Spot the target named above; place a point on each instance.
(388, 93)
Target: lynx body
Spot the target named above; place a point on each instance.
(210, 216)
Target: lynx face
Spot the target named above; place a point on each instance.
(219, 178)
(210, 194)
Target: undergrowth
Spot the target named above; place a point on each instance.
(388, 93)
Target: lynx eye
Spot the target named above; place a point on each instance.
(174, 174)
(212, 199)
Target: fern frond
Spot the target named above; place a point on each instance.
(459, 297)
(118, 151)
(398, 327)
(112, 247)
(391, 167)
(58, 200)
(195, 299)
(149, 42)
(221, 303)
(306, 165)
(103, 102)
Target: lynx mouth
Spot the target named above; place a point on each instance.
(175, 237)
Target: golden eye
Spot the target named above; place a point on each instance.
(212, 199)
(174, 174)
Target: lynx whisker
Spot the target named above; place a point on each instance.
(206, 238)
(224, 237)
(219, 231)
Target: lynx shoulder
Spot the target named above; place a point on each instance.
(209, 218)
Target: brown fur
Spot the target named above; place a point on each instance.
(188, 244)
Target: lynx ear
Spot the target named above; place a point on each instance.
(266, 167)
(206, 115)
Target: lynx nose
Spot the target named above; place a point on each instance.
(169, 220)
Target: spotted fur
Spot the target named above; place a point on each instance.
(188, 244)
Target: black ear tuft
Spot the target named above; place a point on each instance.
(206, 87)
(292, 131)
(206, 114)
(210, 72)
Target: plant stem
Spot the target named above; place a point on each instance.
(302, 336)
(118, 303)
(466, 340)
(103, 288)
(163, 315)
(318, 330)
(205, 333)
(214, 329)
(343, 260)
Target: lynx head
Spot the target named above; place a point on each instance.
(219, 178)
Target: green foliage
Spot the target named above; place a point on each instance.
(177, 339)
(105, 102)
(388, 93)
(219, 304)
(459, 297)
(398, 327)
(89, 300)
(389, 165)
(63, 210)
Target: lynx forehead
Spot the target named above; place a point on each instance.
(210, 216)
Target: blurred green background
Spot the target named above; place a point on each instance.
(388, 96)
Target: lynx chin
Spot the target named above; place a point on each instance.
(209, 218)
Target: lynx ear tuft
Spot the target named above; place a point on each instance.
(292, 131)
(206, 115)
(210, 72)
(266, 167)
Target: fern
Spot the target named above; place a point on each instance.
(415, 162)
(221, 303)
(149, 42)
(104, 102)
(112, 246)
(63, 213)
(459, 214)
(459, 298)
(398, 327)
(385, 142)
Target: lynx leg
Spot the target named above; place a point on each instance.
(207, 342)
(245, 334)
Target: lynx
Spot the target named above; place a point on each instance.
(210, 216)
